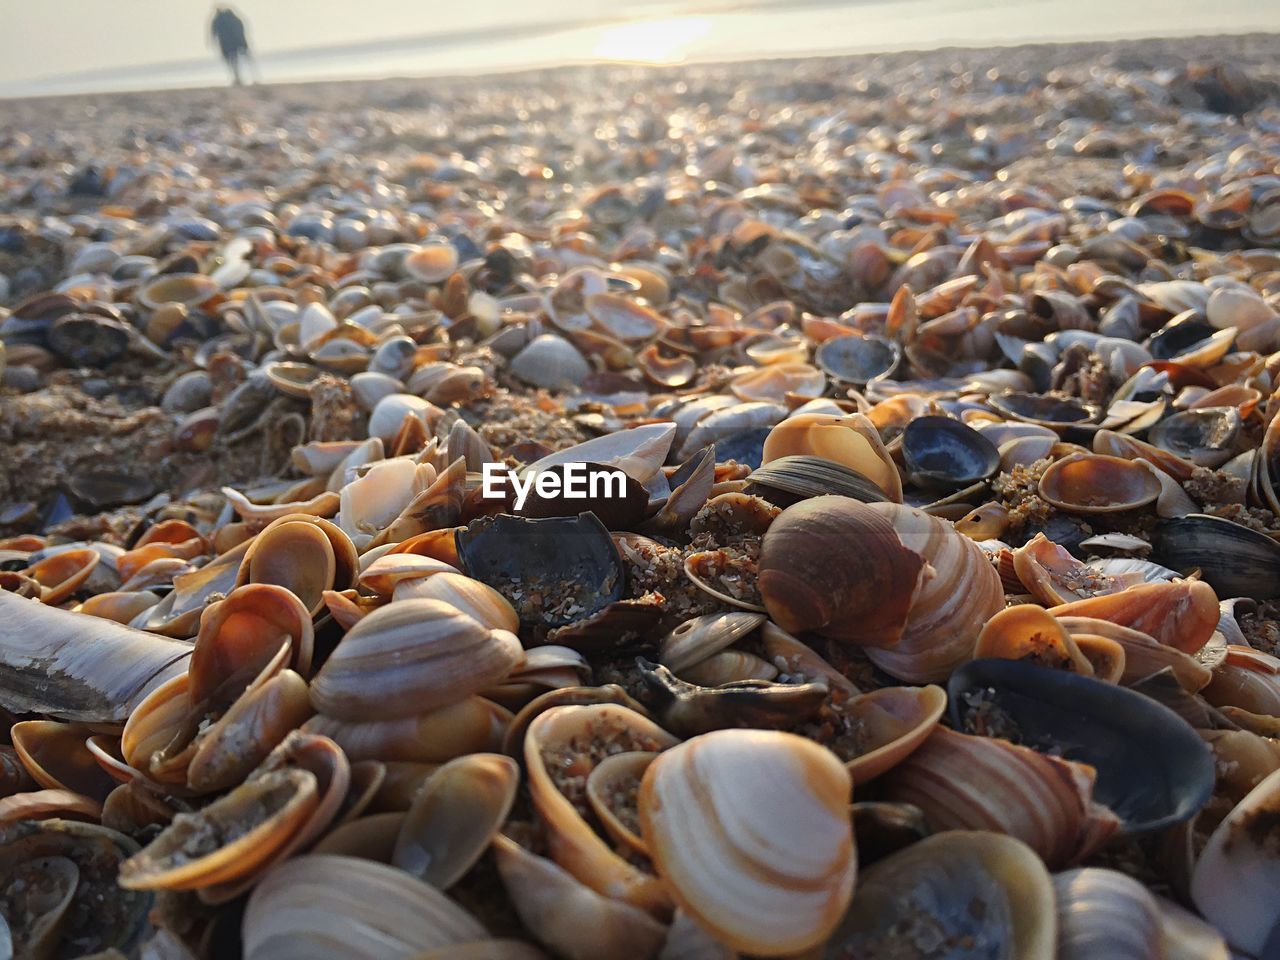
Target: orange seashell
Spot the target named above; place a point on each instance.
(1029, 632)
(852, 441)
(891, 723)
(1053, 576)
(1182, 614)
(1248, 679)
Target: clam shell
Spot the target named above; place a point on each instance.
(788, 480)
(1150, 770)
(699, 638)
(411, 657)
(550, 362)
(769, 811)
(961, 782)
(941, 450)
(858, 359)
(851, 441)
(1092, 483)
(454, 816)
(1182, 614)
(1105, 912)
(326, 907)
(569, 917)
(983, 894)
(1237, 878)
(64, 665)
(573, 739)
(1233, 559)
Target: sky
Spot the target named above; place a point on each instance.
(109, 44)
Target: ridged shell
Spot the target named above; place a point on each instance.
(411, 657)
(964, 782)
(750, 830)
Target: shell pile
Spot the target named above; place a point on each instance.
(935, 611)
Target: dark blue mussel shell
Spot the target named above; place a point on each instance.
(1153, 769)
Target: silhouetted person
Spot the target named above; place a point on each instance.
(228, 29)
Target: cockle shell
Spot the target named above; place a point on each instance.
(750, 830)
(851, 441)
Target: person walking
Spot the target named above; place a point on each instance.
(228, 29)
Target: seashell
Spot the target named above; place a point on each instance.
(1143, 656)
(612, 789)
(55, 756)
(472, 725)
(370, 387)
(324, 906)
(384, 575)
(432, 262)
(477, 600)
(695, 640)
(292, 379)
(1053, 576)
(889, 724)
(274, 557)
(671, 372)
(690, 486)
(858, 359)
(243, 737)
(389, 413)
(788, 480)
(1130, 448)
(1205, 437)
(1054, 412)
(60, 882)
(1181, 614)
(622, 318)
(960, 781)
(710, 570)
(778, 381)
(314, 322)
(188, 289)
(63, 665)
(1105, 912)
(454, 816)
(638, 452)
(851, 441)
(1248, 679)
(1150, 779)
(61, 574)
(1233, 559)
(371, 837)
(394, 358)
(946, 452)
(720, 805)
(737, 431)
(1092, 483)
(571, 561)
(1235, 880)
(411, 657)
(569, 917)
(1030, 633)
(571, 740)
(550, 362)
(688, 709)
(984, 894)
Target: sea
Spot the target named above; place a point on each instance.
(644, 31)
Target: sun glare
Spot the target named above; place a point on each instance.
(651, 41)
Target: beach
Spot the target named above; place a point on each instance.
(930, 592)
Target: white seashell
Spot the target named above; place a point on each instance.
(371, 386)
(316, 320)
(750, 829)
(637, 452)
(1236, 881)
(368, 504)
(551, 362)
(390, 412)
